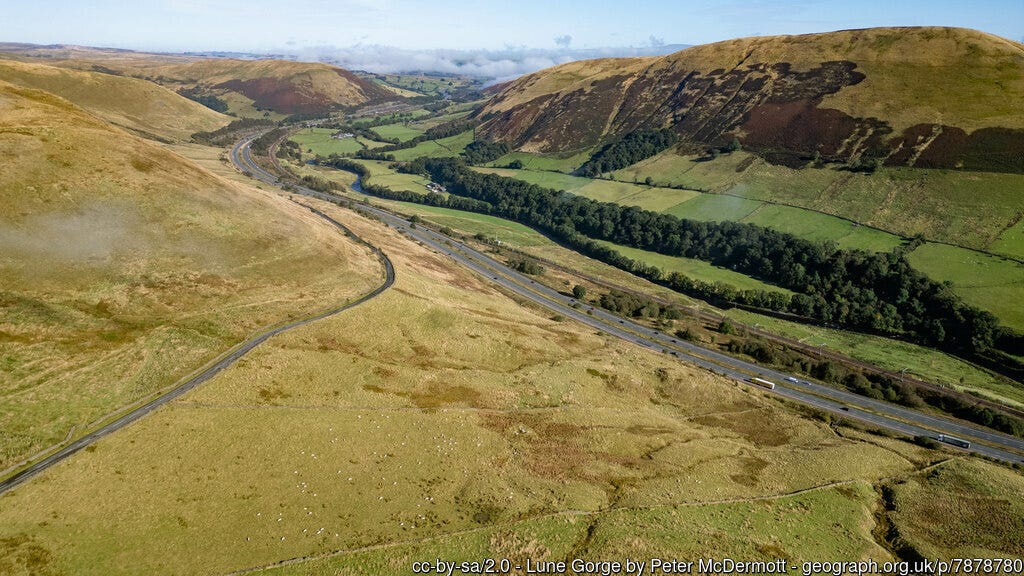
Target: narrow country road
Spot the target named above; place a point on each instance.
(840, 402)
(28, 472)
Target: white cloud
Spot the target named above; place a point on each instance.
(490, 64)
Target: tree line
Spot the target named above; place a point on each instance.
(871, 385)
(873, 292)
(212, 102)
(629, 150)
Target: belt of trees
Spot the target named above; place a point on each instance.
(227, 134)
(262, 144)
(871, 385)
(211, 101)
(481, 151)
(873, 292)
(632, 148)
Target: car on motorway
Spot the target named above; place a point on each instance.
(791, 379)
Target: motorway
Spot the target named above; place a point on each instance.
(845, 404)
(223, 362)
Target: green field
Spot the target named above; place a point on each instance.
(712, 207)
(450, 146)
(1010, 242)
(505, 231)
(320, 142)
(822, 227)
(451, 114)
(427, 84)
(646, 197)
(402, 130)
(715, 207)
(543, 162)
(381, 175)
(394, 116)
(971, 209)
(988, 282)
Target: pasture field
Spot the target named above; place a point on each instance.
(1010, 242)
(543, 162)
(697, 269)
(546, 179)
(320, 142)
(822, 227)
(713, 207)
(453, 113)
(970, 209)
(394, 116)
(381, 175)
(444, 413)
(450, 146)
(646, 197)
(401, 130)
(988, 282)
(425, 84)
(469, 223)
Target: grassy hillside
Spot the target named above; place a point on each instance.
(126, 267)
(454, 430)
(927, 97)
(137, 105)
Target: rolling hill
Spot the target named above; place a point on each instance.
(278, 85)
(127, 266)
(924, 97)
(247, 87)
(137, 105)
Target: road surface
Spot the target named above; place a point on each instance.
(845, 404)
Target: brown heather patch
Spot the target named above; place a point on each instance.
(753, 426)
(518, 549)
(553, 450)
(22, 554)
(787, 98)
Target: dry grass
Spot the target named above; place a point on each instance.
(126, 267)
(138, 105)
(452, 409)
(963, 509)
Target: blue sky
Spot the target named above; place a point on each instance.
(260, 25)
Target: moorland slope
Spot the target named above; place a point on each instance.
(142, 107)
(126, 267)
(925, 97)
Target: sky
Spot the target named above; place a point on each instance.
(261, 25)
(372, 31)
